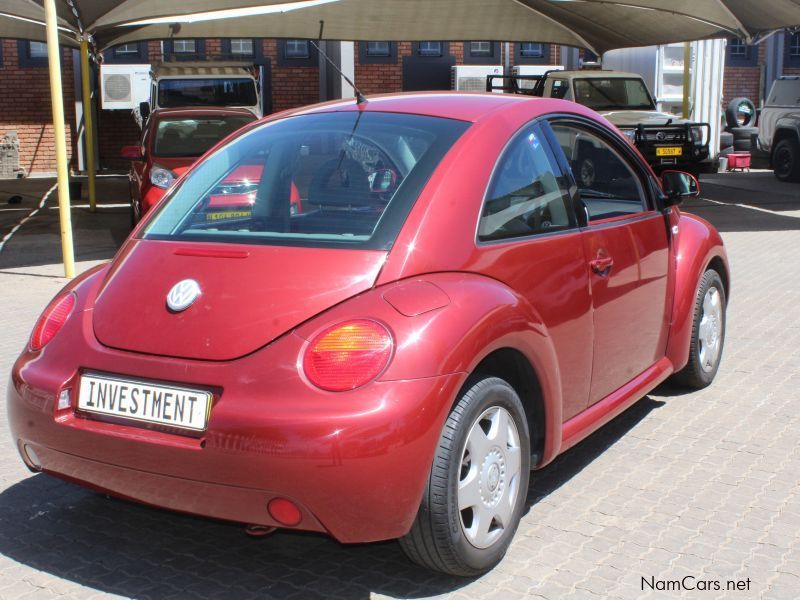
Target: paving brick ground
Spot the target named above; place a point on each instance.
(704, 485)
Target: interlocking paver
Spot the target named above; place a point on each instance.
(703, 484)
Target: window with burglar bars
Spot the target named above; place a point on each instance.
(242, 47)
(378, 49)
(296, 48)
(430, 49)
(480, 48)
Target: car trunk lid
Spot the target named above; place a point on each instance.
(249, 295)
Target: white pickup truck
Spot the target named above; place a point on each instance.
(779, 128)
(184, 84)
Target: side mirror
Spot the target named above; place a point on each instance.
(144, 110)
(677, 186)
(383, 181)
(132, 153)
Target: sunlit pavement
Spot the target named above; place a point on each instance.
(683, 487)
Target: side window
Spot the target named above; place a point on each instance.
(526, 196)
(609, 187)
(560, 87)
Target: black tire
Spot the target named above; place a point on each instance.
(743, 133)
(437, 539)
(742, 145)
(741, 112)
(694, 375)
(786, 160)
(725, 139)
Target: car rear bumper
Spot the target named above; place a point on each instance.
(355, 464)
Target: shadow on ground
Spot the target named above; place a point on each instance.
(725, 197)
(135, 551)
(96, 235)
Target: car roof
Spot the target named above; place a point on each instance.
(462, 106)
(598, 74)
(202, 111)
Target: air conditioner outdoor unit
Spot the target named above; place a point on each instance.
(472, 78)
(124, 86)
(533, 70)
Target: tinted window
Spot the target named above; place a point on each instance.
(206, 92)
(525, 196)
(608, 185)
(193, 136)
(609, 93)
(337, 179)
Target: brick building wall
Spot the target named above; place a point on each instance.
(291, 85)
(26, 107)
(744, 81)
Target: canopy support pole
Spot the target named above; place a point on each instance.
(59, 132)
(88, 119)
(687, 77)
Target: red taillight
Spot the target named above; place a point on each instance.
(52, 319)
(348, 355)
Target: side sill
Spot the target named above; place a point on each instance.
(590, 420)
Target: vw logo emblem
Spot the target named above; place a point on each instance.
(182, 295)
(661, 136)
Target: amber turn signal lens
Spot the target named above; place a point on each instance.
(347, 356)
(52, 319)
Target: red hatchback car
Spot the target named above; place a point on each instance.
(173, 139)
(449, 311)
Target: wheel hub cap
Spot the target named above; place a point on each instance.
(492, 476)
(710, 332)
(488, 486)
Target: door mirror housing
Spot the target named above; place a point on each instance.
(132, 153)
(144, 110)
(678, 185)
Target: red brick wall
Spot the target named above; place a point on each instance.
(381, 79)
(115, 129)
(26, 108)
(291, 86)
(744, 81)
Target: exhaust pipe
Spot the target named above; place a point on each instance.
(258, 531)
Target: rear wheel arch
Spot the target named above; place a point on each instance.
(512, 366)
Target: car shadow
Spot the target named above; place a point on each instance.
(135, 551)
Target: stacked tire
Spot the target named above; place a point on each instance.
(740, 133)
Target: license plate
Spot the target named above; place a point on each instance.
(228, 214)
(671, 151)
(144, 402)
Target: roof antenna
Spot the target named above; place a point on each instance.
(360, 98)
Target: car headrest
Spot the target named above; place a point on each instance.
(340, 182)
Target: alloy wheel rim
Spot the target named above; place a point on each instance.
(710, 331)
(489, 479)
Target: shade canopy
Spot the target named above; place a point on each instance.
(597, 24)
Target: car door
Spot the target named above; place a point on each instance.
(626, 247)
(529, 239)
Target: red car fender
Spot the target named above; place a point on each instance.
(445, 337)
(697, 245)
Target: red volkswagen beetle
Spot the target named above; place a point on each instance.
(449, 311)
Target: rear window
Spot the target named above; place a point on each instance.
(612, 93)
(173, 93)
(193, 136)
(346, 179)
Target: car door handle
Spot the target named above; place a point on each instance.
(602, 266)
